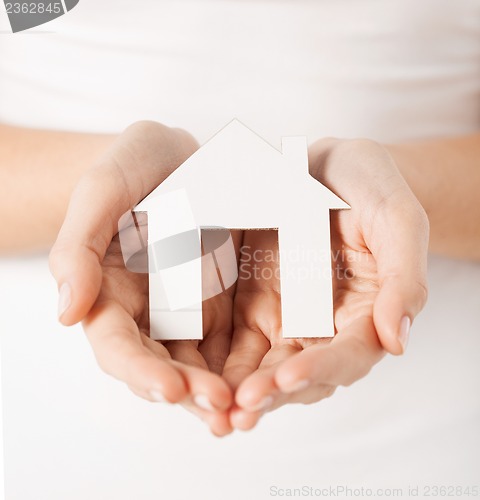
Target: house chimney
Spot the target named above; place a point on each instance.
(295, 151)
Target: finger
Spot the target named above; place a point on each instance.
(257, 307)
(247, 350)
(217, 311)
(402, 271)
(121, 353)
(257, 392)
(347, 358)
(208, 390)
(139, 160)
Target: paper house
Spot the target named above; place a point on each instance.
(239, 181)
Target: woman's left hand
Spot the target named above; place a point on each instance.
(379, 250)
(112, 302)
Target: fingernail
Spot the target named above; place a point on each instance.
(404, 331)
(64, 299)
(203, 402)
(298, 386)
(157, 396)
(263, 404)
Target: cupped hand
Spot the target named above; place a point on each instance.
(95, 286)
(379, 255)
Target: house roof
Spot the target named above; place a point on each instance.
(238, 166)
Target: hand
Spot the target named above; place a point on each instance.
(95, 287)
(379, 250)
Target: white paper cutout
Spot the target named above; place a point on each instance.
(239, 181)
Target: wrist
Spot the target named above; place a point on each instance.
(404, 158)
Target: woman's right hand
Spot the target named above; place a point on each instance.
(379, 271)
(94, 285)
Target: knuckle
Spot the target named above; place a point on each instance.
(362, 143)
(422, 292)
(174, 145)
(104, 364)
(363, 369)
(329, 391)
(321, 392)
(54, 257)
(60, 256)
(188, 139)
(138, 393)
(365, 152)
(362, 357)
(424, 222)
(146, 127)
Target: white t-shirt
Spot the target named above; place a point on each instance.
(390, 70)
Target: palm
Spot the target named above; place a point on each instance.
(355, 280)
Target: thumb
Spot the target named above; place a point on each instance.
(77, 270)
(140, 159)
(400, 250)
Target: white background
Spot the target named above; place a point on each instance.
(387, 70)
